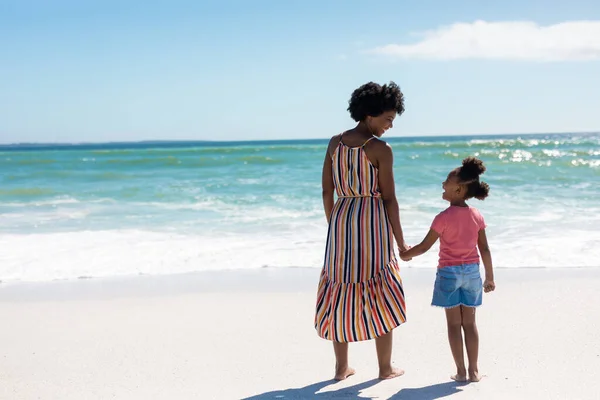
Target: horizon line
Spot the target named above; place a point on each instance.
(157, 141)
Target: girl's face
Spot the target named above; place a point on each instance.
(453, 190)
(378, 125)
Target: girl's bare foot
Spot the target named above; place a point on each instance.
(461, 375)
(459, 378)
(343, 373)
(474, 376)
(391, 373)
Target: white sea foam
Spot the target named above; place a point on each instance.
(53, 202)
(40, 257)
(70, 255)
(220, 235)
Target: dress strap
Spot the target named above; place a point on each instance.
(367, 141)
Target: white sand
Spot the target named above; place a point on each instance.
(249, 335)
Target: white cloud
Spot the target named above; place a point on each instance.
(512, 40)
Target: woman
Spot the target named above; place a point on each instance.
(360, 294)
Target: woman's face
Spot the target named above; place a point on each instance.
(378, 125)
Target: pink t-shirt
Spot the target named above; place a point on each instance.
(458, 228)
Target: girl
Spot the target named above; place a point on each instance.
(458, 287)
(360, 294)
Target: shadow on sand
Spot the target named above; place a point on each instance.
(431, 392)
(310, 392)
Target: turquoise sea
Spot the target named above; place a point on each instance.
(92, 210)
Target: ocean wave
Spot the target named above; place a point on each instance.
(187, 162)
(69, 255)
(256, 147)
(440, 144)
(564, 158)
(32, 161)
(59, 201)
(26, 192)
(558, 140)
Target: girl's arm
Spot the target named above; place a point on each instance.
(327, 185)
(486, 256)
(385, 174)
(421, 248)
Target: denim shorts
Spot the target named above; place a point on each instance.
(458, 285)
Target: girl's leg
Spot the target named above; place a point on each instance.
(454, 321)
(384, 357)
(342, 369)
(471, 341)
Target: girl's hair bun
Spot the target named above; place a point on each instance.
(471, 168)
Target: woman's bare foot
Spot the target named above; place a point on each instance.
(391, 373)
(474, 376)
(343, 373)
(459, 378)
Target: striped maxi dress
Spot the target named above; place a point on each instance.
(360, 294)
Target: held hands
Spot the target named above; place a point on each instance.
(489, 285)
(403, 249)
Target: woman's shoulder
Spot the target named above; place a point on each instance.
(334, 141)
(378, 147)
(376, 141)
(336, 138)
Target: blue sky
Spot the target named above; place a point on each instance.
(227, 70)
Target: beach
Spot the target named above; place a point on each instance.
(189, 270)
(249, 334)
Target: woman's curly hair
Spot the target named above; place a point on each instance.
(372, 99)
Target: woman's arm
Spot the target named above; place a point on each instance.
(387, 186)
(327, 185)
